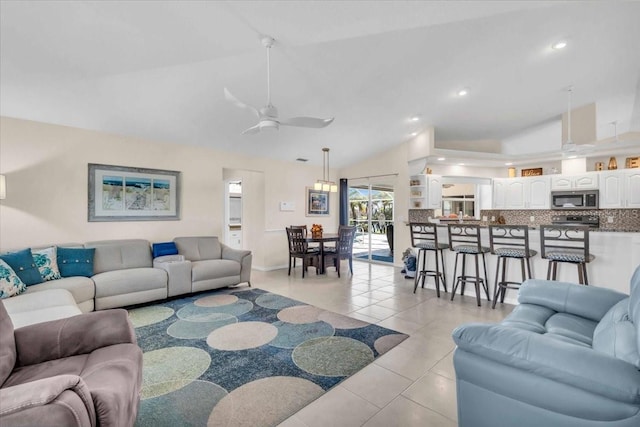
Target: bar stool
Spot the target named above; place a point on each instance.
(424, 236)
(566, 243)
(509, 242)
(465, 240)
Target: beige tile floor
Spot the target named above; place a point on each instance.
(412, 384)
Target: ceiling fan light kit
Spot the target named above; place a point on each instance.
(268, 115)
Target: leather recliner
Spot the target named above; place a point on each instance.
(84, 370)
(568, 355)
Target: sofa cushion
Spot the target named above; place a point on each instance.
(43, 306)
(23, 264)
(615, 335)
(214, 269)
(75, 261)
(47, 262)
(10, 283)
(120, 254)
(82, 288)
(199, 248)
(122, 282)
(573, 327)
(634, 305)
(8, 347)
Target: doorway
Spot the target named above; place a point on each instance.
(233, 213)
(371, 210)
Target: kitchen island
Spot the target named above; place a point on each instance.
(617, 254)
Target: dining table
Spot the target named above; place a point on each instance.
(325, 237)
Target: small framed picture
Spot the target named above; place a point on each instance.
(531, 172)
(317, 202)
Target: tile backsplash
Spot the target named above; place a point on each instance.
(610, 219)
(627, 220)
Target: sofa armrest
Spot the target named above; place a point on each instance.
(590, 302)
(566, 363)
(233, 254)
(21, 398)
(244, 257)
(75, 335)
(178, 271)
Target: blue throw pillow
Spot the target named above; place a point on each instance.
(166, 248)
(75, 261)
(22, 263)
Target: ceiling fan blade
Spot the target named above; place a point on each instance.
(252, 130)
(306, 122)
(239, 103)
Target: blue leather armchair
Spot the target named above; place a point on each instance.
(568, 355)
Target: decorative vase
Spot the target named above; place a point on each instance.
(613, 164)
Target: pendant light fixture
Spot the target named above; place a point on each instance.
(325, 184)
(569, 145)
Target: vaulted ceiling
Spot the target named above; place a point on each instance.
(157, 69)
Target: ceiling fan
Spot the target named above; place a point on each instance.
(570, 148)
(268, 115)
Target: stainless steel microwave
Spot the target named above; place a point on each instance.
(565, 200)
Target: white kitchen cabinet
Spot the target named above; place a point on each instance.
(499, 193)
(425, 192)
(632, 188)
(620, 189)
(587, 181)
(521, 193)
(611, 189)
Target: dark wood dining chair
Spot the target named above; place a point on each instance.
(343, 248)
(299, 248)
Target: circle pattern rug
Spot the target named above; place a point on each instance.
(237, 357)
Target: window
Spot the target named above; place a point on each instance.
(458, 198)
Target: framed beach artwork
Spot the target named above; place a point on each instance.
(119, 193)
(317, 202)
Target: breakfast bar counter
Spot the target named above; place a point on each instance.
(617, 254)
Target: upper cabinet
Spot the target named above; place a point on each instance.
(425, 192)
(620, 189)
(587, 181)
(521, 193)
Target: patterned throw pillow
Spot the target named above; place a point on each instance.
(75, 261)
(47, 262)
(10, 283)
(23, 265)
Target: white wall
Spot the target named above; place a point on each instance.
(46, 170)
(547, 137)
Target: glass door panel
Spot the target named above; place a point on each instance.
(371, 211)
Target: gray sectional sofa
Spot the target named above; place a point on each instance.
(125, 273)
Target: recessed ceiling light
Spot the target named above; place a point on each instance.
(508, 163)
(572, 157)
(460, 164)
(415, 118)
(559, 45)
(414, 133)
(441, 158)
(463, 92)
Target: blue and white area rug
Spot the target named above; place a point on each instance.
(245, 357)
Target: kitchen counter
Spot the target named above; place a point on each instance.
(617, 254)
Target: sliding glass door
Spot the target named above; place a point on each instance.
(371, 211)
